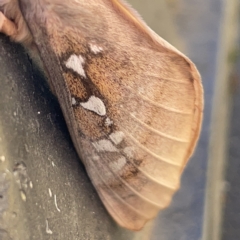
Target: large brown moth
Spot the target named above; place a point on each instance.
(132, 102)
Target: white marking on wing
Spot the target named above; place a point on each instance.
(76, 64)
(117, 137)
(108, 122)
(74, 101)
(95, 48)
(129, 151)
(117, 165)
(95, 104)
(104, 145)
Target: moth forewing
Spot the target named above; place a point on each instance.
(132, 102)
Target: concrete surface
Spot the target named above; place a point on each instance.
(45, 192)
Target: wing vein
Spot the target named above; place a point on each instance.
(133, 190)
(159, 132)
(152, 153)
(152, 178)
(170, 109)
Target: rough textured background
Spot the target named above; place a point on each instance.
(45, 191)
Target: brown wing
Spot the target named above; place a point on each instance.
(132, 102)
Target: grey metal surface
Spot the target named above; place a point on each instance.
(231, 216)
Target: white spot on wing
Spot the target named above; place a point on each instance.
(74, 101)
(104, 145)
(95, 48)
(129, 151)
(76, 64)
(95, 104)
(116, 166)
(108, 122)
(117, 137)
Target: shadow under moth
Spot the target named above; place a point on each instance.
(132, 102)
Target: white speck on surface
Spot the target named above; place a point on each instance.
(129, 151)
(74, 101)
(30, 184)
(50, 192)
(117, 137)
(14, 114)
(48, 230)
(23, 196)
(95, 48)
(108, 122)
(95, 104)
(104, 145)
(76, 64)
(26, 148)
(55, 202)
(2, 158)
(53, 164)
(118, 165)
(38, 112)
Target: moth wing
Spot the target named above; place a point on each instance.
(132, 102)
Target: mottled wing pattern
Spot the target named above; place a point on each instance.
(133, 105)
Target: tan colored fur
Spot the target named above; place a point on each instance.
(11, 10)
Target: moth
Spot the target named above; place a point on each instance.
(132, 102)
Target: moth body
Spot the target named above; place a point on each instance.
(132, 102)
